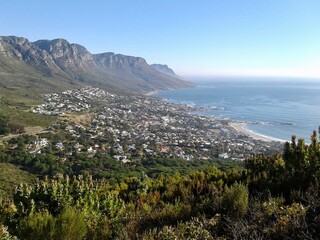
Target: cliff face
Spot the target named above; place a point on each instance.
(73, 64)
(67, 56)
(163, 68)
(21, 49)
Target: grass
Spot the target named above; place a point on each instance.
(11, 176)
(20, 115)
(22, 86)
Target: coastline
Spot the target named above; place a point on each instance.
(241, 128)
(151, 93)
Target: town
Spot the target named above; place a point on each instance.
(132, 127)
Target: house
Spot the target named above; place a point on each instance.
(149, 151)
(165, 150)
(223, 155)
(43, 142)
(120, 158)
(59, 145)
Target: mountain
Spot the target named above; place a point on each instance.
(163, 68)
(52, 65)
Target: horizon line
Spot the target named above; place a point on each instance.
(305, 73)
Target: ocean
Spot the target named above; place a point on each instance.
(276, 108)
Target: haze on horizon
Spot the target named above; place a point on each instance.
(203, 38)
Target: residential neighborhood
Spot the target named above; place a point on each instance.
(131, 127)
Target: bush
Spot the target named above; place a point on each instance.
(5, 235)
(4, 128)
(67, 226)
(37, 226)
(194, 229)
(235, 200)
(70, 225)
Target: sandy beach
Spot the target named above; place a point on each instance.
(241, 127)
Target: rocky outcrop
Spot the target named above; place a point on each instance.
(163, 68)
(21, 49)
(67, 55)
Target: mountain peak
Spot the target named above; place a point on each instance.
(60, 40)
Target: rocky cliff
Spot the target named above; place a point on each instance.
(62, 64)
(163, 68)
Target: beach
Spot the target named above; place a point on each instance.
(241, 127)
(276, 110)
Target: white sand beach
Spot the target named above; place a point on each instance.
(241, 127)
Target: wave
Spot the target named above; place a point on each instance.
(286, 124)
(263, 135)
(260, 123)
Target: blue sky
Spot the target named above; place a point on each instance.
(214, 37)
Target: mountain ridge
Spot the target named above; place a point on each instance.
(63, 65)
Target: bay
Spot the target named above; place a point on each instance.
(274, 107)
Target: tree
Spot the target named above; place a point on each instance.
(4, 125)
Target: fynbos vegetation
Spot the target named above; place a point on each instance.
(274, 197)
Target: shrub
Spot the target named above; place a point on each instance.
(37, 226)
(70, 225)
(5, 235)
(235, 200)
(290, 222)
(194, 229)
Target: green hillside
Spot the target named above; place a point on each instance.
(22, 85)
(11, 176)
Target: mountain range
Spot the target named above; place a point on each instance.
(53, 65)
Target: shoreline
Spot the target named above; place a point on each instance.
(241, 128)
(151, 93)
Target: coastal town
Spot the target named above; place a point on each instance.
(132, 127)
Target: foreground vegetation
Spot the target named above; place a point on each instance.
(272, 198)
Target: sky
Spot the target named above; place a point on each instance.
(195, 38)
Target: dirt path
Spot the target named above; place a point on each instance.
(28, 130)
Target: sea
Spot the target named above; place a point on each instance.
(272, 107)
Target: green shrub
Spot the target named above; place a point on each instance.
(194, 229)
(235, 200)
(167, 233)
(70, 225)
(37, 226)
(98, 227)
(290, 222)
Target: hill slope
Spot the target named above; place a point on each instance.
(11, 176)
